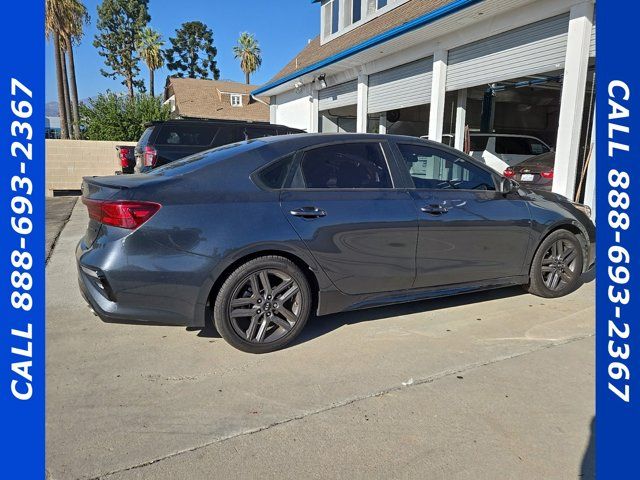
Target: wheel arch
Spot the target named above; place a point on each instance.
(307, 269)
(570, 226)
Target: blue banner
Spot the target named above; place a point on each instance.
(618, 297)
(22, 212)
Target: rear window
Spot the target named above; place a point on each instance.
(144, 139)
(479, 143)
(520, 146)
(186, 134)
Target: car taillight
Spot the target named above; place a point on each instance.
(150, 157)
(123, 153)
(509, 172)
(121, 213)
(548, 174)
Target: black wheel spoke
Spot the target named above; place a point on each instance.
(281, 322)
(288, 294)
(566, 277)
(262, 330)
(570, 256)
(264, 280)
(251, 331)
(255, 285)
(241, 302)
(287, 314)
(242, 312)
(284, 285)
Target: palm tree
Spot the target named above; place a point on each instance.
(64, 21)
(248, 51)
(52, 28)
(77, 16)
(150, 49)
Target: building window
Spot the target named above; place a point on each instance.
(382, 3)
(356, 11)
(330, 17)
(236, 100)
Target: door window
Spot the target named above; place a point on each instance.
(351, 165)
(520, 146)
(436, 169)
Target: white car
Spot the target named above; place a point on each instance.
(502, 150)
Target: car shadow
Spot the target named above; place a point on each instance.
(588, 465)
(319, 326)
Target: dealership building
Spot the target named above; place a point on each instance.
(440, 68)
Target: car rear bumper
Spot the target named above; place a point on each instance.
(129, 294)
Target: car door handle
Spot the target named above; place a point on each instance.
(308, 212)
(435, 209)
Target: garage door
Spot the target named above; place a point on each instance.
(404, 86)
(536, 48)
(338, 95)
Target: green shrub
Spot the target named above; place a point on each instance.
(115, 117)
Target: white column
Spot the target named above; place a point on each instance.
(363, 103)
(590, 185)
(273, 108)
(572, 101)
(382, 129)
(315, 111)
(438, 91)
(461, 118)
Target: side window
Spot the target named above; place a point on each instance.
(192, 135)
(274, 175)
(228, 134)
(350, 165)
(436, 169)
(520, 146)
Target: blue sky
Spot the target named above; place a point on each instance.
(282, 28)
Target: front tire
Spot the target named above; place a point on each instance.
(263, 305)
(557, 266)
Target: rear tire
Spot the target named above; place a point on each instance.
(263, 305)
(557, 266)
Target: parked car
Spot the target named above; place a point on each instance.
(535, 172)
(501, 150)
(164, 142)
(260, 233)
(127, 158)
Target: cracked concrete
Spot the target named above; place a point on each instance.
(502, 387)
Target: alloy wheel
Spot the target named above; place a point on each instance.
(265, 306)
(559, 265)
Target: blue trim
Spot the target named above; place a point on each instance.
(419, 22)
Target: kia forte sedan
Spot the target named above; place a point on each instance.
(259, 235)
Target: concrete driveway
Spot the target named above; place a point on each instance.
(491, 385)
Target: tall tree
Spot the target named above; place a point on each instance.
(77, 17)
(53, 27)
(192, 53)
(119, 24)
(65, 89)
(248, 51)
(150, 49)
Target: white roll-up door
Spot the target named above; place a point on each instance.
(532, 49)
(338, 95)
(404, 86)
(592, 46)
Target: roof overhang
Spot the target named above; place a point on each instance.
(455, 6)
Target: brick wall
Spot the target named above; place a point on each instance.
(67, 161)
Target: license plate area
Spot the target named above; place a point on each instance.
(527, 177)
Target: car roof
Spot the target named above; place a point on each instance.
(212, 121)
(517, 135)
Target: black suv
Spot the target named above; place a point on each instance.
(164, 142)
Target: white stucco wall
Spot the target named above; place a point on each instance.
(293, 109)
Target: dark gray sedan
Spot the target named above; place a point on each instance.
(259, 235)
(535, 172)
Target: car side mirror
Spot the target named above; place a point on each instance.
(506, 185)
